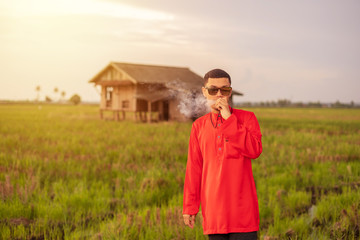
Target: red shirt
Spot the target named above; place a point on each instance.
(219, 173)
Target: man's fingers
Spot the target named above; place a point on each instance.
(186, 219)
(221, 102)
(220, 106)
(189, 220)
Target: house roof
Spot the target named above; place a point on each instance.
(155, 96)
(152, 74)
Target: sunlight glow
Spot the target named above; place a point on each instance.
(21, 8)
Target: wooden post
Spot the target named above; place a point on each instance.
(115, 115)
(161, 111)
(115, 104)
(103, 97)
(149, 111)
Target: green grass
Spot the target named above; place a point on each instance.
(66, 174)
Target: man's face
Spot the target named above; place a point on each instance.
(216, 83)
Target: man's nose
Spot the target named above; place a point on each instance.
(218, 93)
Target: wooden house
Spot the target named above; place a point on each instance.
(145, 92)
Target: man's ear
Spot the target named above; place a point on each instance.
(204, 91)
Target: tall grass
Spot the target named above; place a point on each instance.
(66, 174)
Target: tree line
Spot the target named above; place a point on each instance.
(289, 103)
(60, 95)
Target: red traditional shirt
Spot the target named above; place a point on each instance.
(219, 173)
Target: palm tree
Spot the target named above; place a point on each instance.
(63, 93)
(56, 90)
(37, 89)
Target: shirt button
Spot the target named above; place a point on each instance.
(219, 125)
(219, 149)
(218, 136)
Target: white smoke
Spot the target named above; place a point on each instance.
(210, 103)
(192, 103)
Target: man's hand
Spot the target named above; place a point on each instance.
(189, 220)
(223, 106)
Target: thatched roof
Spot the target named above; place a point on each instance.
(153, 74)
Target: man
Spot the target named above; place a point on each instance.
(218, 172)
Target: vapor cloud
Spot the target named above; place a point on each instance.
(192, 103)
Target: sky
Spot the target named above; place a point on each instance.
(305, 50)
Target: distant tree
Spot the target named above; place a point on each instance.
(75, 99)
(283, 103)
(339, 104)
(63, 93)
(315, 104)
(56, 90)
(248, 104)
(37, 89)
(48, 99)
(299, 104)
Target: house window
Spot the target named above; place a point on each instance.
(109, 91)
(126, 104)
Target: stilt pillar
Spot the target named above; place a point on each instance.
(149, 112)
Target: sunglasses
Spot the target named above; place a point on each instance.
(225, 91)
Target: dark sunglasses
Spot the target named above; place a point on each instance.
(224, 91)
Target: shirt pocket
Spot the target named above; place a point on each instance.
(231, 148)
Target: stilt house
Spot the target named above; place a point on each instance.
(145, 92)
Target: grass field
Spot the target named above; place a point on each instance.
(66, 174)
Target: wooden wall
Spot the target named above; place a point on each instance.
(123, 93)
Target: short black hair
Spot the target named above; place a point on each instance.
(216, 73)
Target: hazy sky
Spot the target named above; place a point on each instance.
(299, 50)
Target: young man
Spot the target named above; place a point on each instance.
(218, 172)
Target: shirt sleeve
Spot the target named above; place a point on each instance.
(245, 136)
(192, 186)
